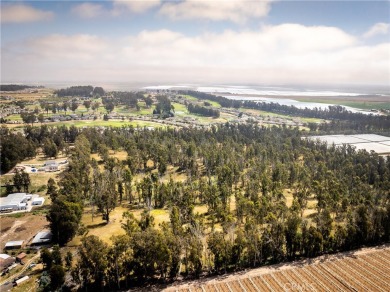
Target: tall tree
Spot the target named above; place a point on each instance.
(65, 106)
(26, 181)
(18, 180)
(87, 104)
(74, 106)
(92, 266)
(64, 218)
(57, 277)
(28, 118)
(95, 106)
(106, 193)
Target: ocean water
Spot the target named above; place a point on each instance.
(296, 103)
(274, 91)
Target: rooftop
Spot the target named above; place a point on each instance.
(14, 243)
(21, 255)
(4, 256)
(39, 199)
(42, 237)
(369, 142)
(12, 199)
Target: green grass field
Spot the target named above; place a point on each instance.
(366, 105)
(180, 110)
(193, 98)
(273, 115)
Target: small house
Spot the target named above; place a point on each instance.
(21, 257)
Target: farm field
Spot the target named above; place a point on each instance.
(362, 270)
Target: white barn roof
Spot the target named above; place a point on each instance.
(14, 243)
(42, 237)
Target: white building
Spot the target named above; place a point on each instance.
(21, 280)
(42, 237)
(51, 166)
(13, 202)
(38, 201)
(14, 244)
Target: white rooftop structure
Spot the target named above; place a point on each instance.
(38, 201)
(50, 162)
(373, 137)
(4, 256)
(14, 244)
(12, 201)
(373, 146)
(338, 139)
(42, 237)
(369, 142)
(21, 280)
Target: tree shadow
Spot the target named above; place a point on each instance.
(97, 225)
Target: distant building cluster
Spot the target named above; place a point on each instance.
(8, 262)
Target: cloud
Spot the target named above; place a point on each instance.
(377, 29)
(88, 10)
(137, 6)
(287, 53)
(20, 13)
(216, 10)
(80, 47)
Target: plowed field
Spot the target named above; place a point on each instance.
(363, 270)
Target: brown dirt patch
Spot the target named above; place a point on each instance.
(6, 224)
(23, 228)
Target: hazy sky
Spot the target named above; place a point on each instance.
(196, 41)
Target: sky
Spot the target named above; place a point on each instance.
(264, 42)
